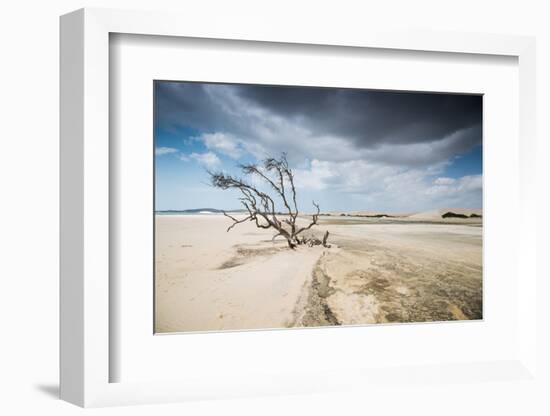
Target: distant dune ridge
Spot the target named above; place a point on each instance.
(441, 215)
(438, 213)
(369, 213)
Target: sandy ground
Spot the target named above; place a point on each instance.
(376, 271)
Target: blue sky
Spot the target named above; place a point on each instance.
(349, 149)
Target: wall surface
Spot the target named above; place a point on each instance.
(29, 209)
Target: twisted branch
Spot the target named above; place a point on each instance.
(261, 207)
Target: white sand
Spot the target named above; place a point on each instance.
(377, 271)
(210, 279)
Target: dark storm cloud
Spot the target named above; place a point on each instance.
(179, 103)
(327, 123)
(372, 117)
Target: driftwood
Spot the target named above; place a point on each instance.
(316, 242)
(260, 206)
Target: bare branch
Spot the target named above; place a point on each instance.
(260, 206)
(235, 221)
(275, 236)
(315, 217)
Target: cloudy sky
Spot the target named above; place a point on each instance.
(349, 149)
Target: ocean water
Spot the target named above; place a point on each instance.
(187, 213)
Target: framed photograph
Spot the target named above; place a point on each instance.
(237, 208)
(261, 197)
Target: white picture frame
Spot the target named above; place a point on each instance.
(85, 220)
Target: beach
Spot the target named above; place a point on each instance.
(415, 268)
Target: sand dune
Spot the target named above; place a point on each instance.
(437, 213)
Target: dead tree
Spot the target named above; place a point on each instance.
(260, 206)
